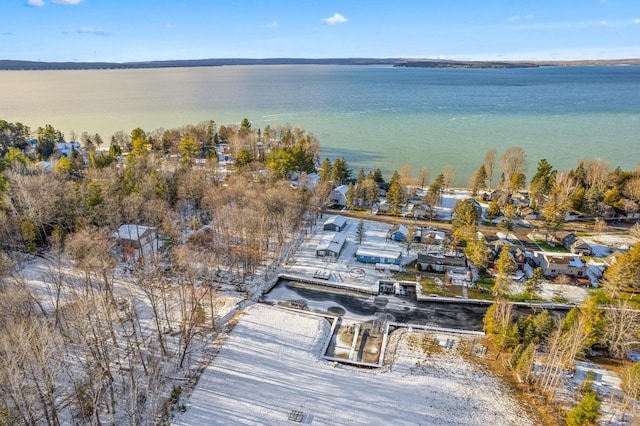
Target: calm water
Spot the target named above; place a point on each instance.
(376, 116)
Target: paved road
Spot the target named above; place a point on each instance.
(394, 308)
(399, 309)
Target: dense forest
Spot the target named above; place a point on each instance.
(112, 336)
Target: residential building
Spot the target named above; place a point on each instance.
(331, 246)
(372, 255)
(554, 264)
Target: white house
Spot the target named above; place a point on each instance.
(338, 196)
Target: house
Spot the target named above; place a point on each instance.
(338, 196)
(517, 255)
(572, 216)
(612, 258)
(575, 244)
(554, 264)
(398, 232)
(371, 255)
(67, 148)
(136, 236)
(331, 246)
(526, 212)
(304, 180)
(456, 263)
(433, 237)
(335, 223)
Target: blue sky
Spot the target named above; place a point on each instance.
(139, 30)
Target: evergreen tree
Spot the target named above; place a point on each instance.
(325, 170)
(340, 171)
(588, 409)
(394, 194)
(479, 180)
(465, 219)
(350, 195)
(504, 267)
(47, 139)
(360, 231)
(377, 176)
(541, 183)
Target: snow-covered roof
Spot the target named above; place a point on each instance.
(342, 189)
(373, 252)
(333, 243)
(576, 262)
(132, 232)
(337, 220)
(399, 228)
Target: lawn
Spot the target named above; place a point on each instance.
(546, 247)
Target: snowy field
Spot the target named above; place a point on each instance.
(270, 368)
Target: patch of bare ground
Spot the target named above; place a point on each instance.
(538, 407)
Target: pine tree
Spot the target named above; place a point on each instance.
(325, 170)
(394, 194)
(360, 232)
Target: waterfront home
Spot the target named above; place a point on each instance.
(331, 245)
(338, 197)
(373, 255)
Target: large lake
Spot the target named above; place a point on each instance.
(376, 116)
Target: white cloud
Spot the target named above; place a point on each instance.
(603, 22)
(35, 3)
(335, 19)
(85, 30)
(71, 2)
(272, 24)
(518, 17)
(636, 21)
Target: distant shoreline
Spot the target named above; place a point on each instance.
(14, 65)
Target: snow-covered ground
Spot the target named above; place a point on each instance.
(604, 244)
(346, 269)
(270, 368)
(549, 291)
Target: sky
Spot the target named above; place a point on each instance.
(142, 30)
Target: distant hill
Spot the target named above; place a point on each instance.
(31, 65)
(433, 63)
(397, 62)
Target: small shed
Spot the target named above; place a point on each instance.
(398, 232)
(331, 246)
(335, 223)
(372, 255)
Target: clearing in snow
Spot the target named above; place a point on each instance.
(271, 371)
